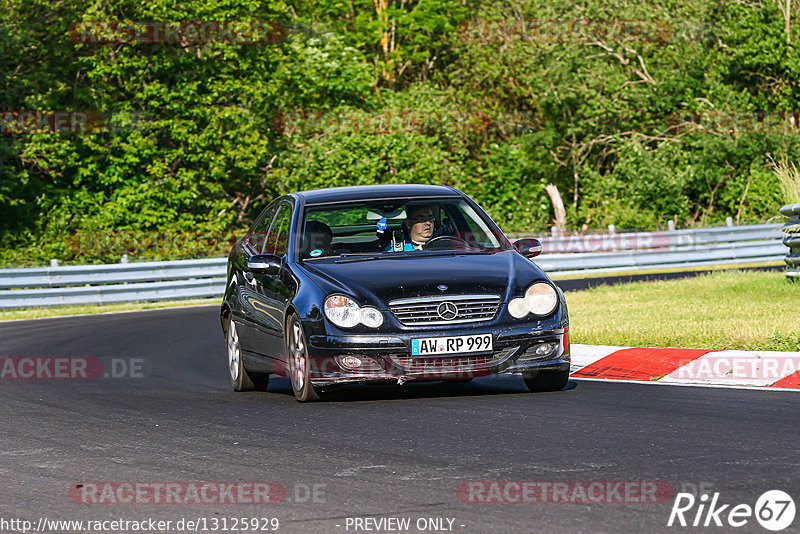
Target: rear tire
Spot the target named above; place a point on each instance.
(241, 379)
(547, 381)
(299, 363)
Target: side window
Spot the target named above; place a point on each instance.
(278, 238)
(260, 230)
(474, 234)
(447, 218)
(445, 221)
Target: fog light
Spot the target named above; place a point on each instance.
(350, 362)
(361, 363)
(543, 349)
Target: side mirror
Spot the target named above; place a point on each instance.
(528, 247)
(264, 264)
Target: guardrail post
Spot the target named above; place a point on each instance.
(729, 222)
(791, 238)
(612, 229)
(671, 225)
(53, 263)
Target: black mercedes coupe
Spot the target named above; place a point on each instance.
(388, 283)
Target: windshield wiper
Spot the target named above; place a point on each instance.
(362, 257)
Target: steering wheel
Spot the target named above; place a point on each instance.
(448, 244)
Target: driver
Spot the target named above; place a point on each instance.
(417, 230)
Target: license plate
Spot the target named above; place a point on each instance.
(451, 345)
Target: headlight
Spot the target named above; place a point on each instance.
(371, 317)
(540, 299)
(517, 308)
(346, 313)
(342, 311)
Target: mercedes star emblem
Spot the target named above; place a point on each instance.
(447, 311)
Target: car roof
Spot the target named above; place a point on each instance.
(376, 192)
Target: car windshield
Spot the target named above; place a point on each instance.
(396, 227)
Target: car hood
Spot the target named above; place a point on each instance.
(379, 281)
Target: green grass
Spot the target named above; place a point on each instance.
(722, 310)
(37, 313)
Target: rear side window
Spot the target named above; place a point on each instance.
(278, 238)
(258, 235)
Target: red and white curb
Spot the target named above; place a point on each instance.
(698, 367)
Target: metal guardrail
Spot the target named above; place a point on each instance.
(568, 255)
(614, 242)
(673, 249)
(675, 257)
(112, 283)
(120, 273)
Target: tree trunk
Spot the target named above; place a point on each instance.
(558, 206)
(786, 10)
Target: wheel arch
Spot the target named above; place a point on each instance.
(290, 309)
(225, 316)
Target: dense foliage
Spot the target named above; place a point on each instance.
(639, 113)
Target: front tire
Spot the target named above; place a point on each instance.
(299, 362)
(547, 381)
(241, 379)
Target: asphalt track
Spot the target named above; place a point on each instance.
(379, 452)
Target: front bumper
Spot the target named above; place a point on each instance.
(387, 357)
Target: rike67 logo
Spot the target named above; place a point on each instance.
(774, 510)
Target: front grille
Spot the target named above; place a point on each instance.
(461, 363)
(424, 311)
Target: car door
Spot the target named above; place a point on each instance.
(246, 313)
(274, 290)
